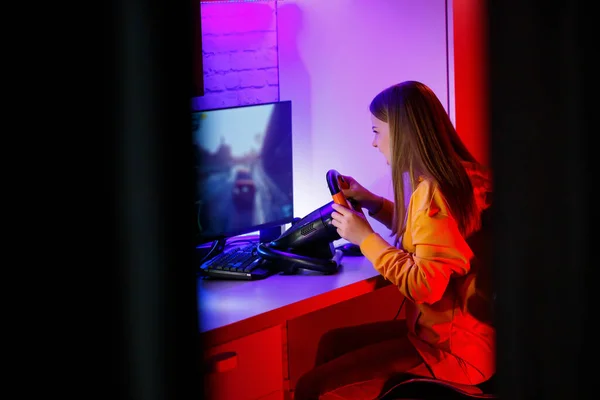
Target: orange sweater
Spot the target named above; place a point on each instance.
(455, 345)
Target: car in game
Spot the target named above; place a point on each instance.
(244, 188)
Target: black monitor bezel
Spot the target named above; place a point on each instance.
(203, 239)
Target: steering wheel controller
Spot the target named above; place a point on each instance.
(336, 183)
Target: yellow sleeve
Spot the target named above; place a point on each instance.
(385, 214)
(440, 251)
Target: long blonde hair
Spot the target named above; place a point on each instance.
(423, 142)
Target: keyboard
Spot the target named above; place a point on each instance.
(241, 263)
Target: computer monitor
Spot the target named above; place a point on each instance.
(244, 177)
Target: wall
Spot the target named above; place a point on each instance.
(334, 56)
(471, 75)
(239, 46)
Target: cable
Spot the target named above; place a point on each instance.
(216, 247)
(400, 309)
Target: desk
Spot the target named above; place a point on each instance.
(251, 318)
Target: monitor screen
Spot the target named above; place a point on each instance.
(243, 169)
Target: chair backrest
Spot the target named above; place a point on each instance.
(481, 293)
(420, 388)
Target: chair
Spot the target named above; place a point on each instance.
(410, 387)
(480, 304)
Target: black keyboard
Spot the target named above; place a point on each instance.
(242, 263)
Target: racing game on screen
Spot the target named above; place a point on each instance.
(243, 168)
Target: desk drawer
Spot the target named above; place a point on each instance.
(245, 369)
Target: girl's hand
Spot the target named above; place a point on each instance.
(350, 225)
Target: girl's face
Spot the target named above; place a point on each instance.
(381, 140)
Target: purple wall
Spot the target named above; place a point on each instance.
(239, 45)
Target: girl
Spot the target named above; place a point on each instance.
(429, 258)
